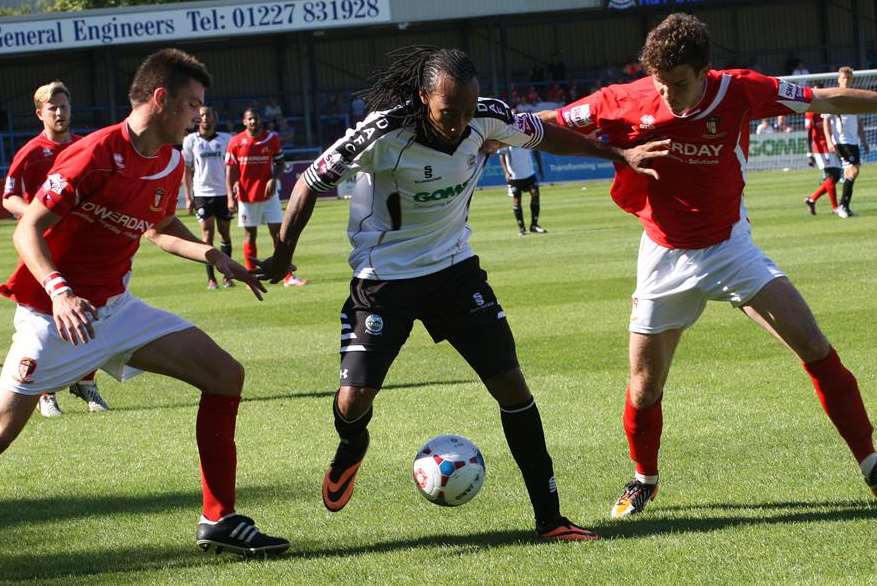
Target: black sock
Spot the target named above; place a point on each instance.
(519, 216)
(211, 276)
(847, 193)
(352, 432)
(534, 211)
(523, 432)
(225, 247)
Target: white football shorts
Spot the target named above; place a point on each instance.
(41, 361)
(673, 285)
(826, 160)
(251, 215)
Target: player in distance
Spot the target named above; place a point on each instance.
(204, 185)
(697, 245)
(419, 155)
(824, 160)
(76, 241)
(254, 161)
(28, 171)
(845, 136)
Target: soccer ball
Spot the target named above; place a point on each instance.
(449, 470)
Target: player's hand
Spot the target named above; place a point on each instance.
(640, 157)
(832, 148)
(232, 205)
(270, 188)
(233, 270)
(490, 146)
(190, 206)
(73, 316)
(273, 269)
(811, 160)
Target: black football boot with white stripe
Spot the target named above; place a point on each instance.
(238, 534)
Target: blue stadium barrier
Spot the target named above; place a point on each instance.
(556, 169)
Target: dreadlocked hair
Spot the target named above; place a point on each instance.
(411, 70)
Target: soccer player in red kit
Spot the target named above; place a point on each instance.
(697, 244)
(26, 174)
(825, 160)
(254, 162)
(76, 241)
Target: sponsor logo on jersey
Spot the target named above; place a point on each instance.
(578, 116)
(427, 172)
(524, 123)
(374, 324)
(331, 167)
(115, 218)
(156, 207)
(10, 185)
(440, 194)
(478, 298)
(55, 183)
(26, 368)
(47, 152)
(790, 91)
(473, 160)
(647, 122)
(696, 150)
(119, 160)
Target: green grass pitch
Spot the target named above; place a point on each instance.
(756, 485)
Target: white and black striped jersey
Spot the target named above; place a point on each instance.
(206, 158)
(519, 162)
(844, 128)
(410, 206)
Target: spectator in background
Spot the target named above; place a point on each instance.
(272, 111)
(357, 109)
(556, 94)
(557, 68)
(533, 96)
(285, 132)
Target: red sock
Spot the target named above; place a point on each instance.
(214, 430)
(839, 394)
(819, 191)
(250, 255)
(832, 191)
(643, 428)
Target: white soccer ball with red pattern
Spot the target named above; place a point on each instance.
(449, 470)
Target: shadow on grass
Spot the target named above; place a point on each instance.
(290, 395)
(33, 510)
(788, 513)
(79, 564)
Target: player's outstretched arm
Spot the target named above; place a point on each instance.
(298, 213)
(836, 100)
(72, 315)
(172, 236)
(562, 141)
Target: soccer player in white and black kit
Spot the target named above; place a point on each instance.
(845, 136)
(418, 156)
(204, 184)
(520, 175)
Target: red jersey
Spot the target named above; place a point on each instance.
(815, 133)
(31, 164)
(697, 200)
(107, 195)
(254, 158)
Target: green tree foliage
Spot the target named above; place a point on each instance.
(73, 5)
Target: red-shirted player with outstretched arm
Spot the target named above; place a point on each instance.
(697, 244)
(76, 241)
(254, 160)
(26, 174)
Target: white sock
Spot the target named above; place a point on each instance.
(646, 479)
(868, 464)
(207, 521)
